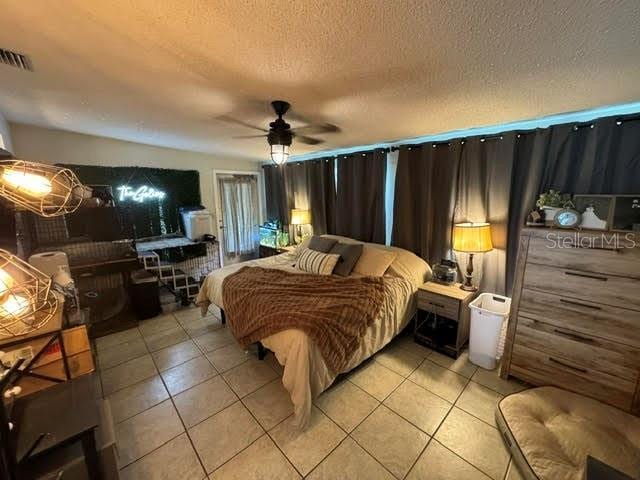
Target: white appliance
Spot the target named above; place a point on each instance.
(197, 223)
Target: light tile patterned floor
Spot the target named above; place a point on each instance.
(189, 403)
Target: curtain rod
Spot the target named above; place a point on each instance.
(620, 120)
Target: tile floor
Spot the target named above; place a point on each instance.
(189, 403)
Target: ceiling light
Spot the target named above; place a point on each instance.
(279, 154)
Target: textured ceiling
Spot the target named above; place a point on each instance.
(161, 71)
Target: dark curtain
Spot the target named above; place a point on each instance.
(321, 188)
(499, 180)
(308, 185)
(425, 196)
(275, 195)
(483, 191)
(530, 153)
(360, 196)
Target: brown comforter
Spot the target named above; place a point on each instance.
(334, 311)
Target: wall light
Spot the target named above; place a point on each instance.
(46, 190)
(26, 300)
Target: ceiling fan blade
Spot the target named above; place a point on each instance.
(235, 121)
(249, 136)
(308, 140)
(320, 128)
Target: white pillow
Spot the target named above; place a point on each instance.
(317, 262)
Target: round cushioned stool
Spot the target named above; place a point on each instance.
(551, 431)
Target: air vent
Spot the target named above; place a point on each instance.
(14, 59)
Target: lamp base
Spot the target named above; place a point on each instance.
(468, 285)
(468, 288)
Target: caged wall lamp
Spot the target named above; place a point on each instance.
(26, 301)
(46, 190)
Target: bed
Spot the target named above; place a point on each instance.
(306, 374)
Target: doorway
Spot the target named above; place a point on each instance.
(238, 205)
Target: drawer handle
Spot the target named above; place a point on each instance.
(594, 277)
(580, 304)
(436, 304)
(575, 336)
(614, 250)
(566, 365)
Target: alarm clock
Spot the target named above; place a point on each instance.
(567, 218)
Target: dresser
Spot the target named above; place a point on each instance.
(575, 315)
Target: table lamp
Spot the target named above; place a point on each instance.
(298, 218)
(471, 238)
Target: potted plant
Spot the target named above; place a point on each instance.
(551, 202)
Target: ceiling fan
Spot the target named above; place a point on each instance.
(280, 134)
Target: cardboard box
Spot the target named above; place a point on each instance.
(79, 359)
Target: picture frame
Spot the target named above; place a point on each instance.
(603, 207)
(626, 213)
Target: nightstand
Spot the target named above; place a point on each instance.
(442, 321)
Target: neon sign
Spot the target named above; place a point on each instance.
(141, 194)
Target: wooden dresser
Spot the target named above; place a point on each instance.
(575, 315)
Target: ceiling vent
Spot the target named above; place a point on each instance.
(14, 59)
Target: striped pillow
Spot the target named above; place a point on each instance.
(317, 262)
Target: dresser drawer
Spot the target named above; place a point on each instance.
(591, 352)
(583, 316)
(589, 255)
(608, 289)
(540, 368)
(438, 304)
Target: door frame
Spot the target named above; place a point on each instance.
(217, 200)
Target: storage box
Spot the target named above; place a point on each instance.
(79, 359)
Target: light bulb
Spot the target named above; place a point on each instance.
(6, 284)
(29, 183)
(279, 153)
(13, 306)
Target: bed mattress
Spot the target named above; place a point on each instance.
(305, 373)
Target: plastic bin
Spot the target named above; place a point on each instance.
(489, 317)
(197, 224)
(145, 297)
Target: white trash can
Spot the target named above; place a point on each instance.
(489, 317)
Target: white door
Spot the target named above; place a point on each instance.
(238, 208)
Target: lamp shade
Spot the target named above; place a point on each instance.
(300, 217)
(279, 154)
(26, 301)
(46, 190)
(472, 237)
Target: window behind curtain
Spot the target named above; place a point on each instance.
(239, 195)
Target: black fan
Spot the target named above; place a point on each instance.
(280, 134)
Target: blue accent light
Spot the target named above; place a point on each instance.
(542, 122)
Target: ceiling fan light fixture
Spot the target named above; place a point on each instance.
(279, 154)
